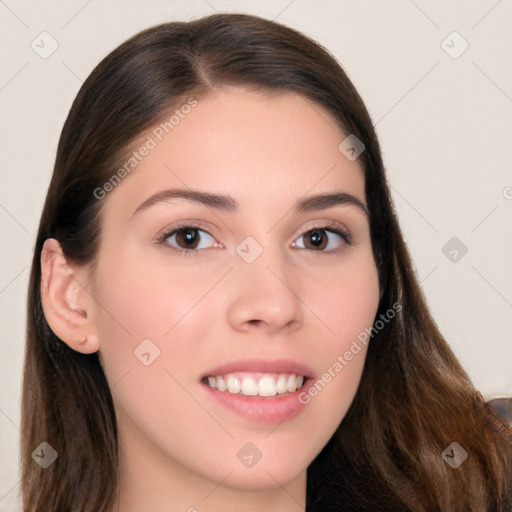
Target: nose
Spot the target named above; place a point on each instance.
(264, 295)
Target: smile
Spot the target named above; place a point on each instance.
(260, 391)
(256, 384)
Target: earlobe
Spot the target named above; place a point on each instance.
(67, 305)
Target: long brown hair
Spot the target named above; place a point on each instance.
(414, 398)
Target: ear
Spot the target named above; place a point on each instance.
(67, 305)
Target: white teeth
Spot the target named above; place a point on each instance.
(234, 384)
(267, 386)
(281, 384)
(221, 384)
(256, 384)
(291, 383)
(249, 386)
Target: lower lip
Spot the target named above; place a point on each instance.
(265, 410)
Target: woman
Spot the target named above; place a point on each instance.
(292, 362)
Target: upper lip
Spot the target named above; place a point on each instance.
(262, 366)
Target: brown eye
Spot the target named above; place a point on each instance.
(185, 238)
(316, 239)
(323, 239)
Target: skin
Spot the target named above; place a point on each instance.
(178, 449)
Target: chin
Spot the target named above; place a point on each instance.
(263, 478)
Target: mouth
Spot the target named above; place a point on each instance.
(256, 383)
(259, 391)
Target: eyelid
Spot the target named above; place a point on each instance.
(325, 224)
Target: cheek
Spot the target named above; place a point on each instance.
(147, 319)
(346, 302)
(140, 300)
(345, 299)
(150, 337)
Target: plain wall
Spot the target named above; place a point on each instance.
(444, 122)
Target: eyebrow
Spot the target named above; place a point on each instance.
(229, 204)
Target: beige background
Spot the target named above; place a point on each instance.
(443, 117)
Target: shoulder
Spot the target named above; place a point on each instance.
(500, 427)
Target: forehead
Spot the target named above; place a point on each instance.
(252, 145)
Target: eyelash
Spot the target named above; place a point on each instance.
(331, 227)
(162, 239)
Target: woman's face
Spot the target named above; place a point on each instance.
(260, 292)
